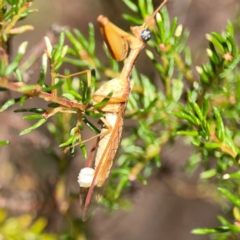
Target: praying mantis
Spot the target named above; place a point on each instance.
(94, 176)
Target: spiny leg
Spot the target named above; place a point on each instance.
(54, 91)
(101, 134)
(88, 72)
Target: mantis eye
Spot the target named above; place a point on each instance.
(85, 177)
(146, 35)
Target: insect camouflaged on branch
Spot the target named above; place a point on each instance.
(94, 177)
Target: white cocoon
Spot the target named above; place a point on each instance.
(85, 177)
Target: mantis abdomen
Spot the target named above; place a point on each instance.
(106, 149)
(108, 144)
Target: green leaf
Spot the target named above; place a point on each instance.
(132, 19)
(230, 142)
(141, 179)
(39, 225)
(173, 28)
(53, 105)
(217, 41)
(149, 107)
(81, 39)
(35, 110)
(55, 86)
(68, 142)
(232, 175)
(75, 94)
(142, 7)
(193, 116)
(91, 40)
(57, 52)
(205, 107)
(19, 75)
(59, 62)
(23, 100)
(150, 8)
(3, 143)
(213, 56)
(36, 125)
(208, 174)
(220, 129)
(148, 90)
(43, 71)
(232, 42)
(28, 88)
(131, 5)
(90, 125)
(206, 130)
(94, 114)
(197, 110)
(13, 65)
(144, 130)
(68, 96)
(121, 184)
(84, 150)
(230, 29)
(230, 67)
(232, 228)
(201, 231)
(2, 67)
(177, 89)
(212, 145)
(184, 116)
(9, 103)
(32, 117)
(188, 133)
(233, 198)
(104, 101)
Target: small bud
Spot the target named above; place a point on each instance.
(228, 57)
(44, 61)
(64, 51)
(208, 37)
(22, 47)
(178, 31)
(75, 84)
(49, 46)
(236, 223)
(209, 52)
(132, 177)
(162, 47)
(149, 54)
(195, 85)
(28, 4)
(199, 69)
(226, 176)
(158, 17)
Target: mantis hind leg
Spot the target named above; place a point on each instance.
(101, 134)
(88, 72)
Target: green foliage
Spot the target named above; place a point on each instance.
(201, 108)
(23, 227)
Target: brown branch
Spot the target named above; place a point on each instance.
(20, 86)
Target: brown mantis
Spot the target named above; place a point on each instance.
(93, 178)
